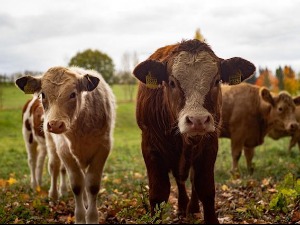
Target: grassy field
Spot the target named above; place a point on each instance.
(124, 189)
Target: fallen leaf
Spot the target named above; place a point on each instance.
(11, 181)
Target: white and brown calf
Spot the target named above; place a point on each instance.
(34, 138)
(79, 119)
(37, 147)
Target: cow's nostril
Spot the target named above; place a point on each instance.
(207, 120)
(61, 126)
(188, 120)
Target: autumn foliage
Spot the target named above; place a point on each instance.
(267, 79)
(285, 79)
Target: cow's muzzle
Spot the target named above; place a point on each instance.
(199, 124)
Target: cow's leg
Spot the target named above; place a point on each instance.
(193, 206)
(181, 177)
(93, 182)
(249, 153)
(183, 198)
(32, 160)
(42, 152)
(76, 177)
(204, 183)
(158, 177)
(293, 142)
(236, 152)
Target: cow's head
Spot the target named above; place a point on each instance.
(279, 110)
(61, 90)
(190, 77)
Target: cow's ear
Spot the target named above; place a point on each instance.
(296, 100)
(151, 72)
(235, 70)
(88, 82)
(29, 84)
(266, 96)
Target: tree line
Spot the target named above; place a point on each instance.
(285, 78)
(95, 60)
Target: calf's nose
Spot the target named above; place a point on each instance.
(56, 127)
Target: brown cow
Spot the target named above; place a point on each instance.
(79, 118)
(249, 113)
(295, 136)
(37, 147)
(178, 111)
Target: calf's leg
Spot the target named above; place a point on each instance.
(53, 166)
(42, 152)
(32, 161)
(93, 182)
(76, 177)
(63, 190)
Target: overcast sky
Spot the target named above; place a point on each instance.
(38, 34)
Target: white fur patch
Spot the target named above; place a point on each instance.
(195, 73)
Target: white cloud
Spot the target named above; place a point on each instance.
(38, 34)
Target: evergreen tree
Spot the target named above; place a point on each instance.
(279, 75)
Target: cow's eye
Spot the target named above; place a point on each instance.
(43, 95)
(172, 84)
(73, 95)
(280, 109)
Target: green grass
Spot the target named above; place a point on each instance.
(271, 159)
(125, 173)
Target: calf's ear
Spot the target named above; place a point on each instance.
(29, 84)
(151, 72)
(235, 70)
(88, 82)
(266, 96)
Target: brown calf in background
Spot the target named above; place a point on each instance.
(277, 133)
(249, 112)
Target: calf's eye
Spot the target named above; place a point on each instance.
(43, 95)
(218, 81)
(73, 95)
(172, 84)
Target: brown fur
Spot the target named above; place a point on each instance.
(248, 114)
(295, 135)
(34, 139)
(165, 149)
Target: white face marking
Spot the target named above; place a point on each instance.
(195, 73)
